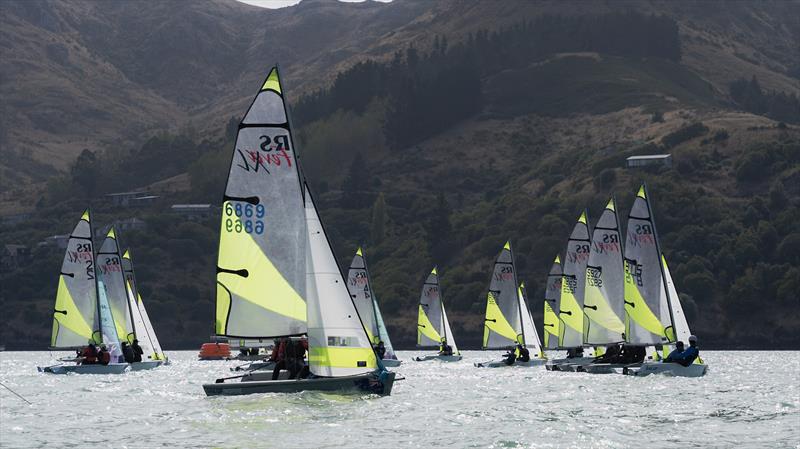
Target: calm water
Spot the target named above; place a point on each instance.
(748, 399)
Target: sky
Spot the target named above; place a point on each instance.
(272, 4)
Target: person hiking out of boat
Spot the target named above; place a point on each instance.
(691, 353)
(103, 356)
(380, 350)
(524, 354)
(89, 355)
(676, 355)
(137, 351)
(277, 350)
(127, 352)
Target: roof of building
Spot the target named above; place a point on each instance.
(649, 156)
(191, 206)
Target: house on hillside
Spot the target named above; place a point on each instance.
(194, 211)
(129, 224)
(58, 241)
(664, 160)
(14, 256)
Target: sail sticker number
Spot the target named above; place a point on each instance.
(83, 253)
(505, 274)
(579, 254)
(244, 218)
(594, 276)
(571, 284)
(633, 272)
(432, 292)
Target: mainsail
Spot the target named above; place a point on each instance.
(604, 302)
(146, 335)
(337, 341)
(552, 302)
(75, 316)
(648, 317)
(138, 324)
(532, 341)
(430, 319)
(503, 321)
(107, 335)
(573, 285)
(261, 267)
(360, 290)
(109, 265)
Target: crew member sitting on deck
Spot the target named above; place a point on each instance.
(691, 353)
(524, 354)
(280, 357)
(89, 355)
(676, 355)
(127, 352)
(103, 356)
(137, 351)
(445, 349)
(380, 350)
(510, 357)
(573, 353)
(612, 351)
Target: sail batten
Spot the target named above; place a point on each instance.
(261, 272)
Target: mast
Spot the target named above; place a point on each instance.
(441, 304)
(96, 280)
(660, 265)
(517, 286)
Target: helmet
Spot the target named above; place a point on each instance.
(693, 338)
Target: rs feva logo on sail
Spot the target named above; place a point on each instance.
(273, 152)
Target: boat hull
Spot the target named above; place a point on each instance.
(442, 358)
(502, 364)
(606, 368)
(391, 363)
(667, 369)
(113, 368)
(374, 383)
(569, 365)
(150, 364)
(255, 366)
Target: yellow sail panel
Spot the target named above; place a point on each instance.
(342, 357)
(67, 315)
(574, 319)
(603, 315)
(272, 81)
(425, 327)
(637, 310)
(496, 321)
(256, 280)
(551, 324)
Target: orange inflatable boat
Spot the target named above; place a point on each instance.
(215, 351)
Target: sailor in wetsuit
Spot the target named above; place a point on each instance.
(691, 353)
(524, 354)
(510, 357)
(676, 355)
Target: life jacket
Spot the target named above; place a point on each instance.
(89, 355)
(105, 357)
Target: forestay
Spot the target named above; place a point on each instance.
(573, 285)
(337, 341)
(261, 268)
(360, 290)
(604, 302)
(75, 316)
(109, 264)
(646, 301)
(502, 324)
(430, 319)
(552, 302)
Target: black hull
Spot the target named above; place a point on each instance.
(370, 383)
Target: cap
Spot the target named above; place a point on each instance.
(693, 338)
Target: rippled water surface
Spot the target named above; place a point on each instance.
(748, 399)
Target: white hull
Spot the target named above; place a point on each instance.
(112, 368)
(443, 358)
(150, 364)
(667, 369)
(391, 363)
(502, 364)
(570, 365)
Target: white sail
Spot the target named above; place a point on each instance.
(448, 333)
(502, 325)
(138, 323)
(573, 280)
(108, 329)
(532, 341)
(337, 341)
(383, 333)
(109, 265)
(158, 353)
(682, 331)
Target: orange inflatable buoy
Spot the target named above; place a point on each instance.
(214, 351)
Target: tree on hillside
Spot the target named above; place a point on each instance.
(85, 172)
(378, 225)
(355, 184)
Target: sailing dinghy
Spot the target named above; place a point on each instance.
(276, 272)
(508, 321)
(82, 312)
(654, 316)
(552, 301)
(570, 304)
(360, 286)
(433, 328)
(152, 354)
